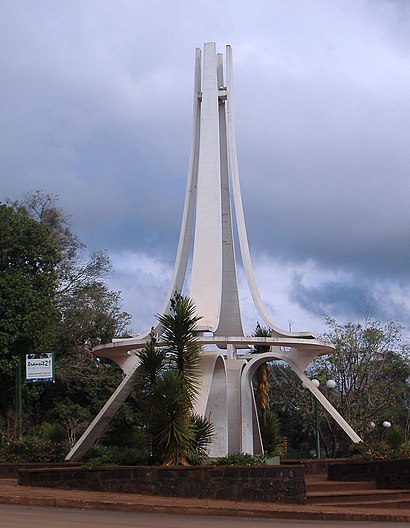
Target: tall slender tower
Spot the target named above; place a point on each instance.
(212, 192)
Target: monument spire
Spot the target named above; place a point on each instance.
(207, 224)
(213, 187)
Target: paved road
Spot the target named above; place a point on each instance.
(36, 517)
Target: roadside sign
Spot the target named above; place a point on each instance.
(40, 367)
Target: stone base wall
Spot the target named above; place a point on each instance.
(314, 466)
(238, 483)
(9, 470)
(388, 474)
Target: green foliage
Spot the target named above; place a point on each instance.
(396, 438)
(371, 369)
(295, 409)
(52, 432)
(168, 382)
(378, 451)
(28, 306)
(203, 431)
(261, 331)
(241, 459)
(172, 432)
(106, 455)
(53, 298)
(269, 422)
(33, 450)
(271, 433)
(28, 256)
(153, 365)
(181, 345)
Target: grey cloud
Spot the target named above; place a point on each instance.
(331, 298)
(97, 101)
(353, 299)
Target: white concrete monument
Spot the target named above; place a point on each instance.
(226, 393)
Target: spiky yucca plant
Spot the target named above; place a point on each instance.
(170, 377)
(271, 434)
(181, 344)
(172, 431)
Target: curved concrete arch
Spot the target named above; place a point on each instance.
(186, 232)
(240, 217)
(248, 403)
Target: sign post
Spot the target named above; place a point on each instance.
(19, 404)
(40, 367)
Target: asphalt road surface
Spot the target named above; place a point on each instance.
(37, 517)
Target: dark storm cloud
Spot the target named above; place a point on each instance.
(96, 108)
(350, 299)
(336, 298)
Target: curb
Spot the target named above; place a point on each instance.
(245, 510)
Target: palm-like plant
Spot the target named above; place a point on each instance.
(271, 433)
(169, 380)
(153, 361)
(262, 375)
(181, 345)
(269, 422)
(203, 432)
(172, 431)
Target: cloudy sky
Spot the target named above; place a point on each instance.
(96, 100)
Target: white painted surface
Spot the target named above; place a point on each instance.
(206, 277)
(226, 394)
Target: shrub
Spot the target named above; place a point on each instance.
(378, 451)
(116, 456)
(33, 450)
(241, 459)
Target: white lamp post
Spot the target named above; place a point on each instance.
(330, 384)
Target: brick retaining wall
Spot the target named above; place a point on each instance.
(313, 466)
(388, 474)
(10, 470)
(283, 484)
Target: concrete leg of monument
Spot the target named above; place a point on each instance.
(100, 422)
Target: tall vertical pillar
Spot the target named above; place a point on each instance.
(206, 280)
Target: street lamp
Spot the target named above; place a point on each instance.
(330, 384)
(386, 425)
(316, 383)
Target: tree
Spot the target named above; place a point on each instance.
(54, 298)
(28, 303)
(75, 270)
(371, 369)
(294, 408)
(268, 420)
(262, 374)
(169, 384)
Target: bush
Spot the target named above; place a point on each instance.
(378, 451)
(396, 438)
(52, 432)
(116, 456)
(241, 459)
(33, 450)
